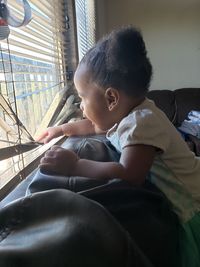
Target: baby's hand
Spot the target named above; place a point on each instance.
(59, 160)
(49, 134)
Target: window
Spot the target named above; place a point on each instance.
(36, 70)
(34, 83)
(86, 25)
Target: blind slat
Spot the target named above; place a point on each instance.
(30, 39)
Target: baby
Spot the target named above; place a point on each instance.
(112, 81)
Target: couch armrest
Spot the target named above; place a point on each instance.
(89, 147)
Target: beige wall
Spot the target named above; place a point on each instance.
(171, 29)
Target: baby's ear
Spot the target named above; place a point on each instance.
(112, 98)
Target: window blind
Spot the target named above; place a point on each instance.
(33, 83)
(86, 25)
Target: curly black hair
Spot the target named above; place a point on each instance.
(119, 60)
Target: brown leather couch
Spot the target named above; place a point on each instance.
(37, 208)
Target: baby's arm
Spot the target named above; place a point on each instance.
(134, 165)
(82, 127)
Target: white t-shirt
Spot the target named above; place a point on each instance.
(175, 170)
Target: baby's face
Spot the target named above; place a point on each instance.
(93, 101)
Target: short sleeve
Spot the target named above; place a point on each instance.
(143, 127)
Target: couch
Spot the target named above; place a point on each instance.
(144, 214)
(176, 105)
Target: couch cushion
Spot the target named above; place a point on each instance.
(165, 100)
(61, 228)
(187, 99)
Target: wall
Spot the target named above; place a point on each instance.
(101, 18)
(171, 30)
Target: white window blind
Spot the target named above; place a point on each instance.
(32, 82)
(86, 25)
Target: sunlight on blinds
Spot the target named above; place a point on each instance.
(86, 25)
(32, 82)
